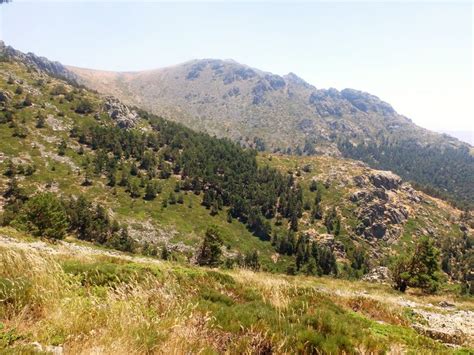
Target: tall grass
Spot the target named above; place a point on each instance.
(109, 306)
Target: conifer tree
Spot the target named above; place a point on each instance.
(210, 251)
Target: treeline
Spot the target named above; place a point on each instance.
(444, 172)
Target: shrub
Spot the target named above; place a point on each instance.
(85, 107)
(59, 89)
(28, 100)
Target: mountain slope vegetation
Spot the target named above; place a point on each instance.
(286, 114)
(126, 174)
(93, 175)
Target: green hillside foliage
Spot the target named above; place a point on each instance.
(155, 188)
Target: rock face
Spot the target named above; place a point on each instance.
(121, 114)
(385, 179)
(41, 63)
(378, 209)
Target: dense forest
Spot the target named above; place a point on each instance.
(225, 174)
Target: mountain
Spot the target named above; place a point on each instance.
(86, 168)
(167, 183)
(286, 114)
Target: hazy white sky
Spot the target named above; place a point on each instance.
(417, 56)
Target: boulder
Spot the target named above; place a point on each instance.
(385, 179)
(4, 97)
(378, 230)
(446, 304)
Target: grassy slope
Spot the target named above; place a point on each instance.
(85, 302)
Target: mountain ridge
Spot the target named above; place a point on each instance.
(131, 181)
(286, 114)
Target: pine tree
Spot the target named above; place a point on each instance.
(172, 198)
(44, 215)
(40, 121)
(10, 170)
(210, 251)
(165, 254)
(111, 178)
(294, 222)
(62, 147)
(134, 188)
(150, 190)
(124, 177)
(251, 260)
(420, 269)
(337, 228)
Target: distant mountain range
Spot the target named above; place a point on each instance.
(286, 114)
(258, 108)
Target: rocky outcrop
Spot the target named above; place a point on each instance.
(121, 114)
(366, 102)
(379, 210)
(4, 97)
(329, 241)
(385, 179)
(41, 63)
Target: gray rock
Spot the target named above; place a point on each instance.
(446, 304)
(378, 230)
(4, 97)
(385, 179)
(121, 114)
(40, 63)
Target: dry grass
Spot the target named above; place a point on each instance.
(55, 307)
(274, 289)
(97, 305)
(374, 309)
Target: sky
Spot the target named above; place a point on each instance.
(417, 56)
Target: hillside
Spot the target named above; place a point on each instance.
(69, 298)
(133, 197)
(286, 114)
(166, 185)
